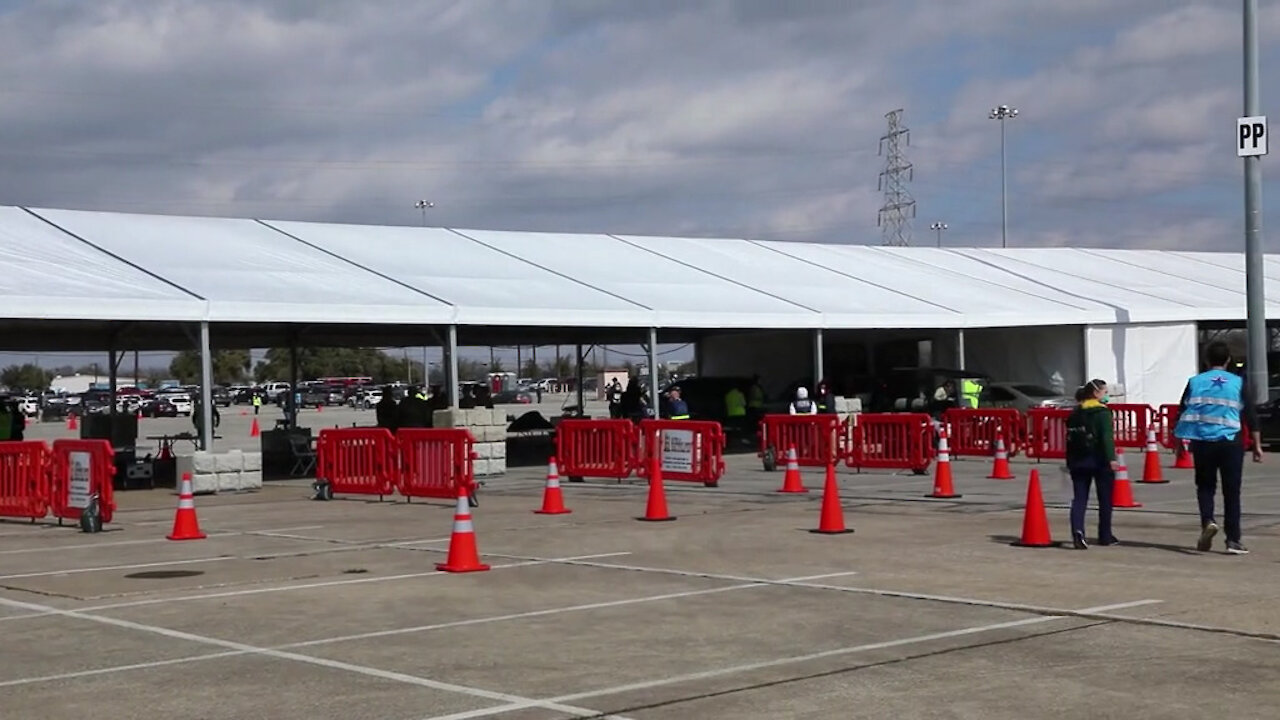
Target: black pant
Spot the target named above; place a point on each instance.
(1082, 477)
(1213, 459)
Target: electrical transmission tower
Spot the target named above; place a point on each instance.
(899, 207)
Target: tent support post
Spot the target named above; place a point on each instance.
(451, 366)
(582, 410)
(819, 372)
(291, 402)
(960, 349)
(206, 389)
(653, 371)
(112, 377)
(697, 357)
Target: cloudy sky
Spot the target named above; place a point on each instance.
(736, 118)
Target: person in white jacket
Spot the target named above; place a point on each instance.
(802, 405)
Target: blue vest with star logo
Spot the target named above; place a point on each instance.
(1213, 407)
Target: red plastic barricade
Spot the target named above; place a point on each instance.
(1048, 440)
(357, 461)
(24, 479)
(435, 462)
(82, 468)
(815, 437)
(690, 450)
(895, 441)
(595, 448)
(1166, 422)
(1131, 424)
(972, 432)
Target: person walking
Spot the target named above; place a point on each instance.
(1209, 418)
(1091, 460)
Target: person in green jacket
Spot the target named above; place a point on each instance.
(1091, 460)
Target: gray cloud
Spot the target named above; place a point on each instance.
(720, 118)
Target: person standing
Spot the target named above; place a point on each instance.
(802, 405)
(1091, 460)
(1209, 416)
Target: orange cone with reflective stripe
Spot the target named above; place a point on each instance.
(1000, 468)
(1151, 472)
(185, 524)
(1122, 495)
(656, 509)
(254, 430)
(792, 483)
(463, 553)
(1183, 460)
(553, 496)
(71, 421)
(832, 520)
(1035, 524)
(942, 482)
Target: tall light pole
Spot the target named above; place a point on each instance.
(1002, 113)
(939, 227)
(1256, 313)
(423, 205)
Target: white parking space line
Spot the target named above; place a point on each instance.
(76, 571)
(307, 586)
(402, 631)
(143, 541)
(321, 662)
(766, 664)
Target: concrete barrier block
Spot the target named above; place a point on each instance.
(184, 465)
(494, 434)
(228, 462)
(228, 481)
(204, 483)
(204, 463)
(481, 467)
(447, 418)
(483, 451)
(498, 417)
(497, 466)
(253, 463)
(498, 451)
(251, 480)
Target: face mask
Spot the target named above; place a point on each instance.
(1106, 399)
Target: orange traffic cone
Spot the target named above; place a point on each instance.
(656, 510)
(832, 520)
(791, 482)
(553, 497)
(185, 524)
(463, 554)
(1151, 472)
(942, 487)
(1183, 460)
(1035, 524)
(71, 422)
(254, 430)
(1000, 469)
(1122, 495)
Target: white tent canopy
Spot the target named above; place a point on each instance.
(64, 264)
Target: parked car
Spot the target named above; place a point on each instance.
(221, 397)
(1023, 396)
(29, 405)
(517, 397)
(181, 401)
(159, 407)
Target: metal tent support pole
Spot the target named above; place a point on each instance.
(206, 389)
(113, 378)
(582, 410)
(819, 372)
(653, 369)
(1254, 278)
(960, 349)
(451, 365)
(291, 402)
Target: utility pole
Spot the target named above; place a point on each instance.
(1253, 261)
(939, 227)
(899, 207)
(423, 205)
(1002, 113)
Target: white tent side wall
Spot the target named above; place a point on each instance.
(1051, 356)
(1151, 361)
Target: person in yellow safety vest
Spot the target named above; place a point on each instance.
(735, 404)
(970, 390)
(755, 397)
(257, 403)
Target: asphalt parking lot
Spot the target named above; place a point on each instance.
(293, 608)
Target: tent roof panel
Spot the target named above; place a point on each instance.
(487, 286)
(249, 272)
(680, 295)
(47, 274)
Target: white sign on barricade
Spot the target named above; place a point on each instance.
(677, 451)
(80, 480)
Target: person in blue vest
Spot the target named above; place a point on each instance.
(1210, 414)
(677, 409)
